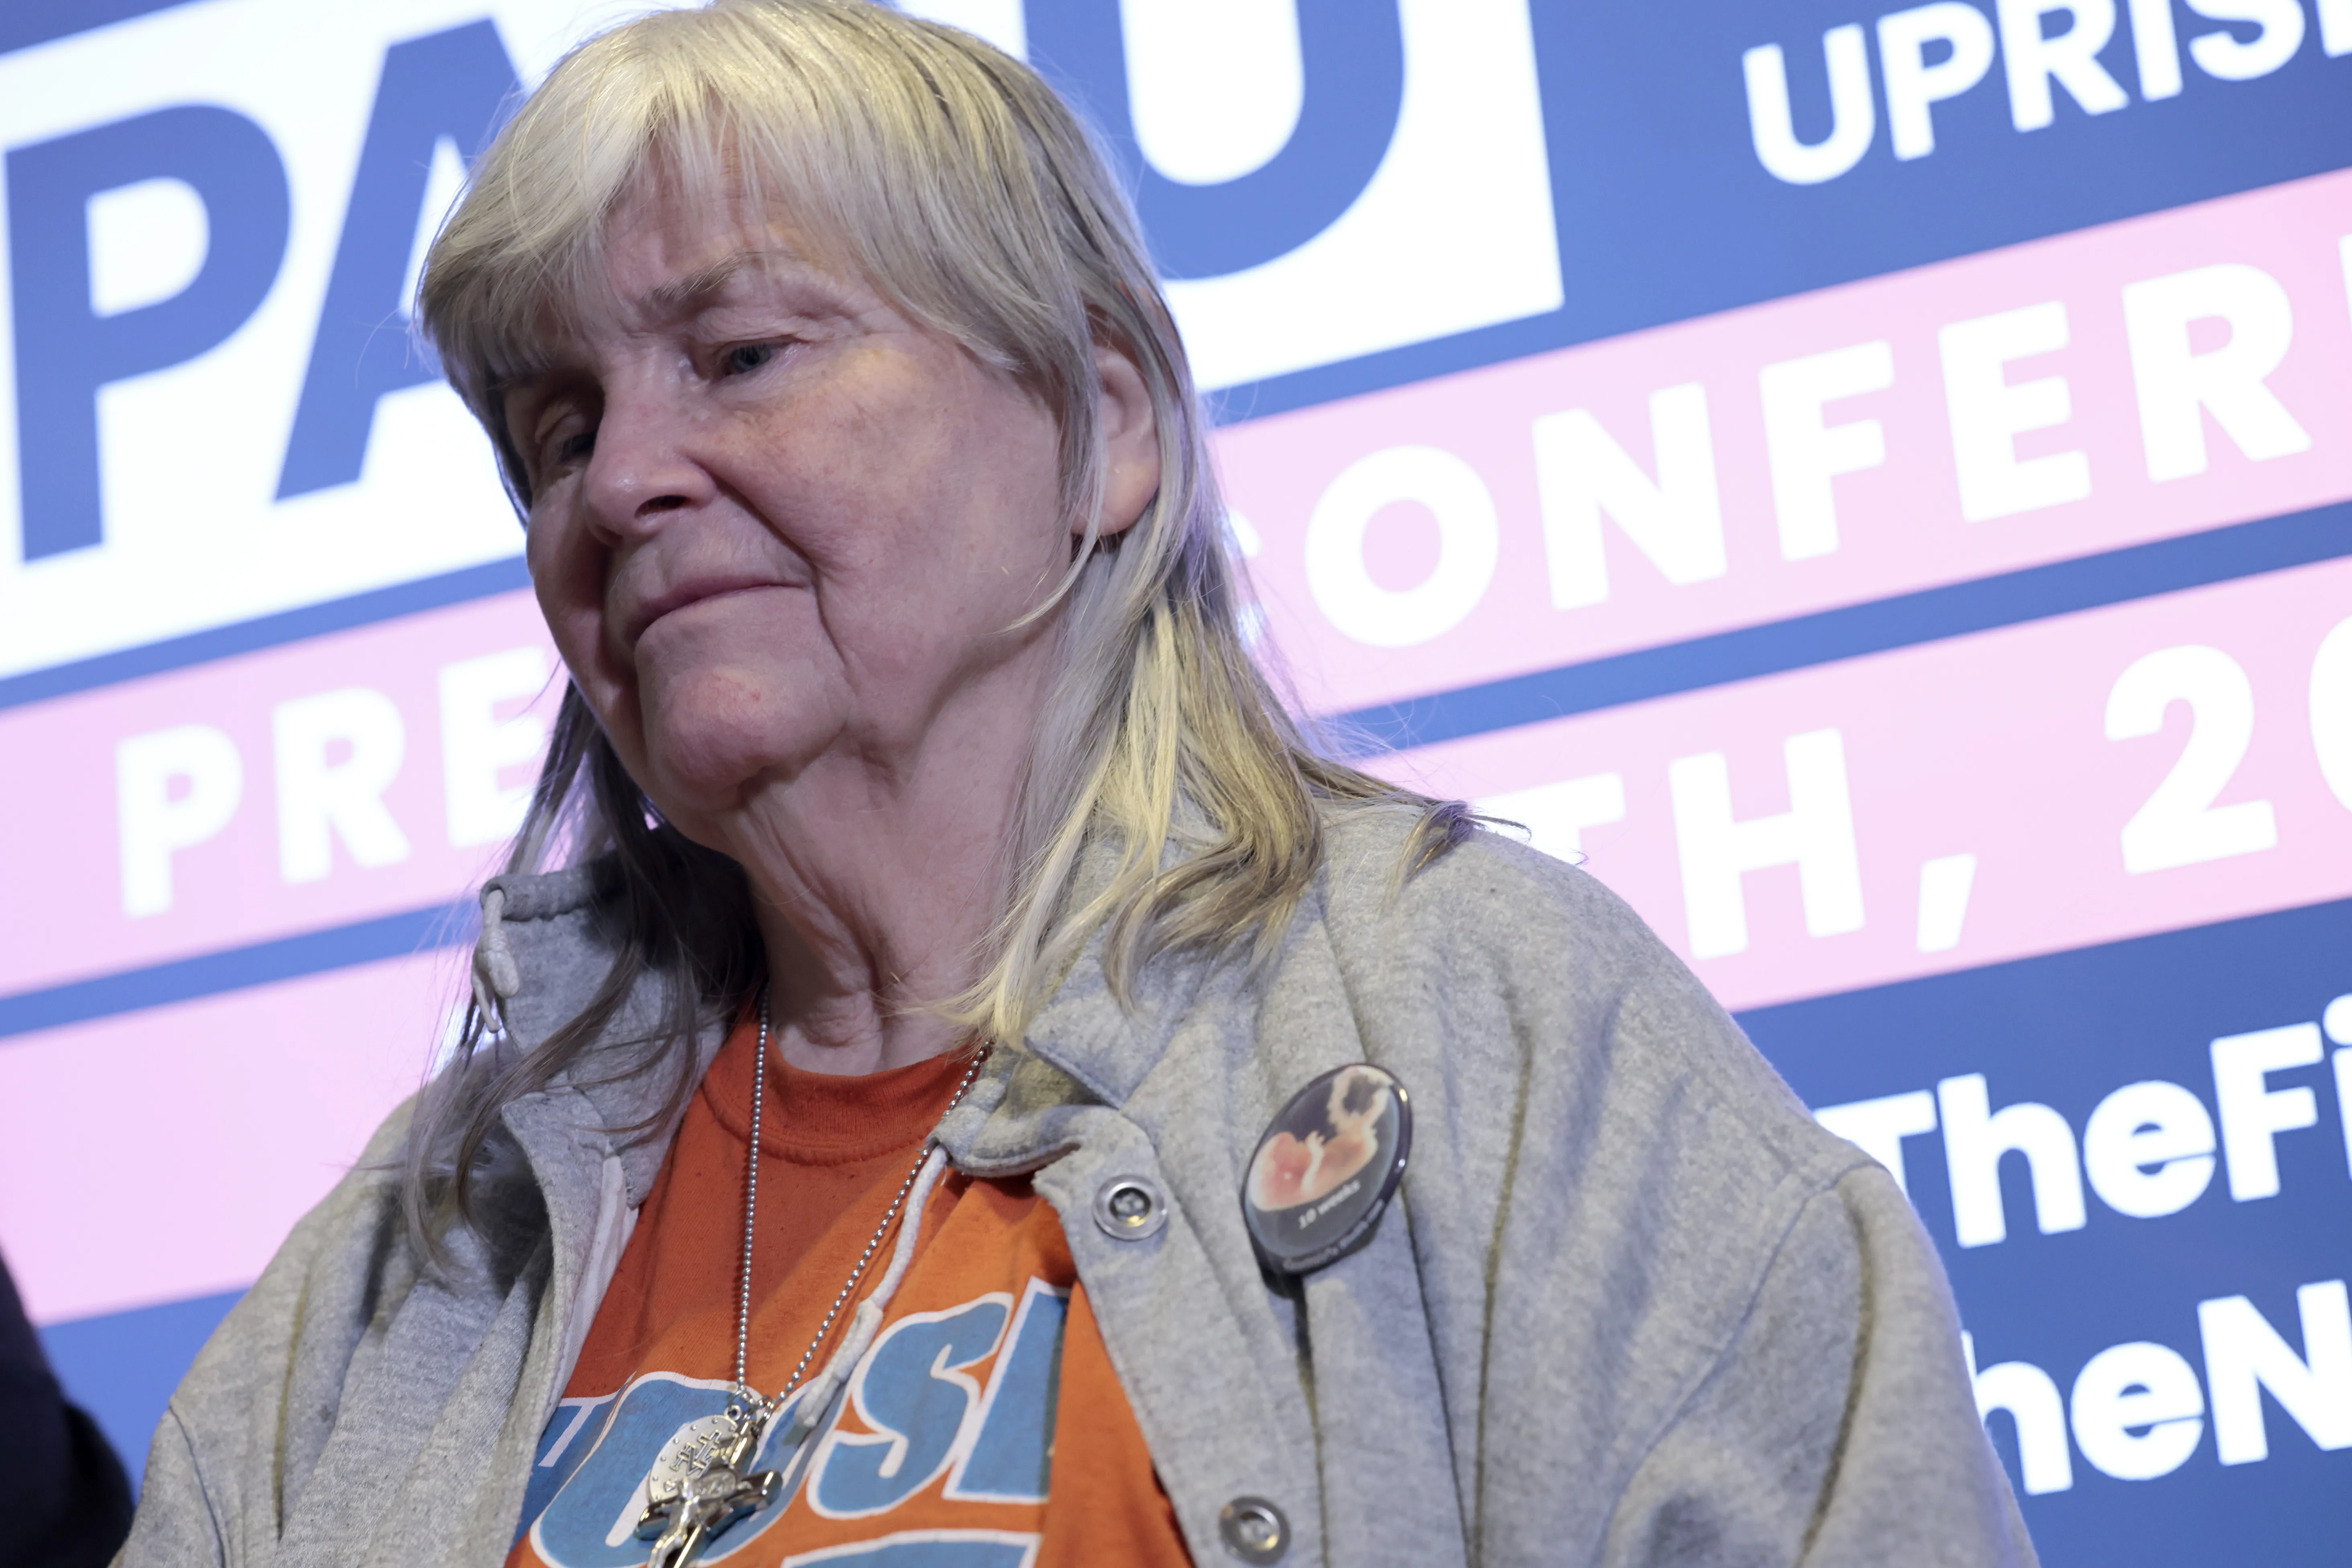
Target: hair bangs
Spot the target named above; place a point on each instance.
(869, 138)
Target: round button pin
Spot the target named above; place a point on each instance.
(1325, 1171)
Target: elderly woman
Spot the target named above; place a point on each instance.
(952, 1104)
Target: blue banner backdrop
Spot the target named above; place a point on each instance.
(2137, 1156)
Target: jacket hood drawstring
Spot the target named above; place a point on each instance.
(496, 975)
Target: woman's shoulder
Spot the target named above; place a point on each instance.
(257, 1391)
(1484, 895)
(1503, 963)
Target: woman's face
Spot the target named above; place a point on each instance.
(773, 519)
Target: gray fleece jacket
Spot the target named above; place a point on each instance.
(1633, 1306)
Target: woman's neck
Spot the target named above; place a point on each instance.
(877, 886)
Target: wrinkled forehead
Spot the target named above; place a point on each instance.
(664, 270)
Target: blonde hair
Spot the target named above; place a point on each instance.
(954, 181)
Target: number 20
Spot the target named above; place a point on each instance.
(2180, 824)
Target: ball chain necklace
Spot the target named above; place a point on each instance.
(709, 1490)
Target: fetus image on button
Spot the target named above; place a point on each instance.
(1321, 1143)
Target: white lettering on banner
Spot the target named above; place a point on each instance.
(1556, 814)
(283, 429)
(2137, 1411)
(1944, 885)
(2148, 1149)
(367, 792)
(1853, 118)
(175, 805)
(1988, 413)
(2224, 56)
(1962, 45)
(1877, 1127)
(2252, 1113)
(1469, 545)
(2070, 59)
(2244, 1355)
(2171, 806)
(2025, 1391)
(477, 746)
(2335, 27)
(1912, 426)
(2337, 1023)
(2331, 709)
(1453, 231)
(1815, 835)
(2175, 382)
(1912, 85)
(2342, 1064)
(266, 447)
(1806, 452)
(1975, 1139)
(2180, 824)
(155, 820)
(321, 796)
(1675, 519)
(1214, 87)
(2156, 50)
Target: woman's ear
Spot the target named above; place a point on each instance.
(1131, 430)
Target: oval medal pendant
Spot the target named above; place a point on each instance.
(1323, 1173)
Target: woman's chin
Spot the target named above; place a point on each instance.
(707, 747)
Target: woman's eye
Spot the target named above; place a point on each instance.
(563, 447)
(745, 358)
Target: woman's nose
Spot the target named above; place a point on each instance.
(644, 466)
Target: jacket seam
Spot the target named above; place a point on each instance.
(1732, 1335)
(203, 1488)
(1477, 1521)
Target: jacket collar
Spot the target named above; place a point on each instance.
(559, 932)
(1083, 1046)
(1085, 1031)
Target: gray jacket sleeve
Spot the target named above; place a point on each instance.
(357, 1409)
(245, 1427)
(352, 1409)
(1839, 1426)
(175, 1523)
(1677, 1322)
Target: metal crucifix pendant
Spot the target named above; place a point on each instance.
(684, 1514)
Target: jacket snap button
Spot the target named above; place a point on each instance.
(1130, 1207)
(1254, 1530)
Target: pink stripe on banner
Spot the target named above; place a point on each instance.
(159, 1155)
(1961, 803)
(1412, 540)
(333, 780)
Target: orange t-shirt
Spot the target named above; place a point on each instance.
(984, 1428)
